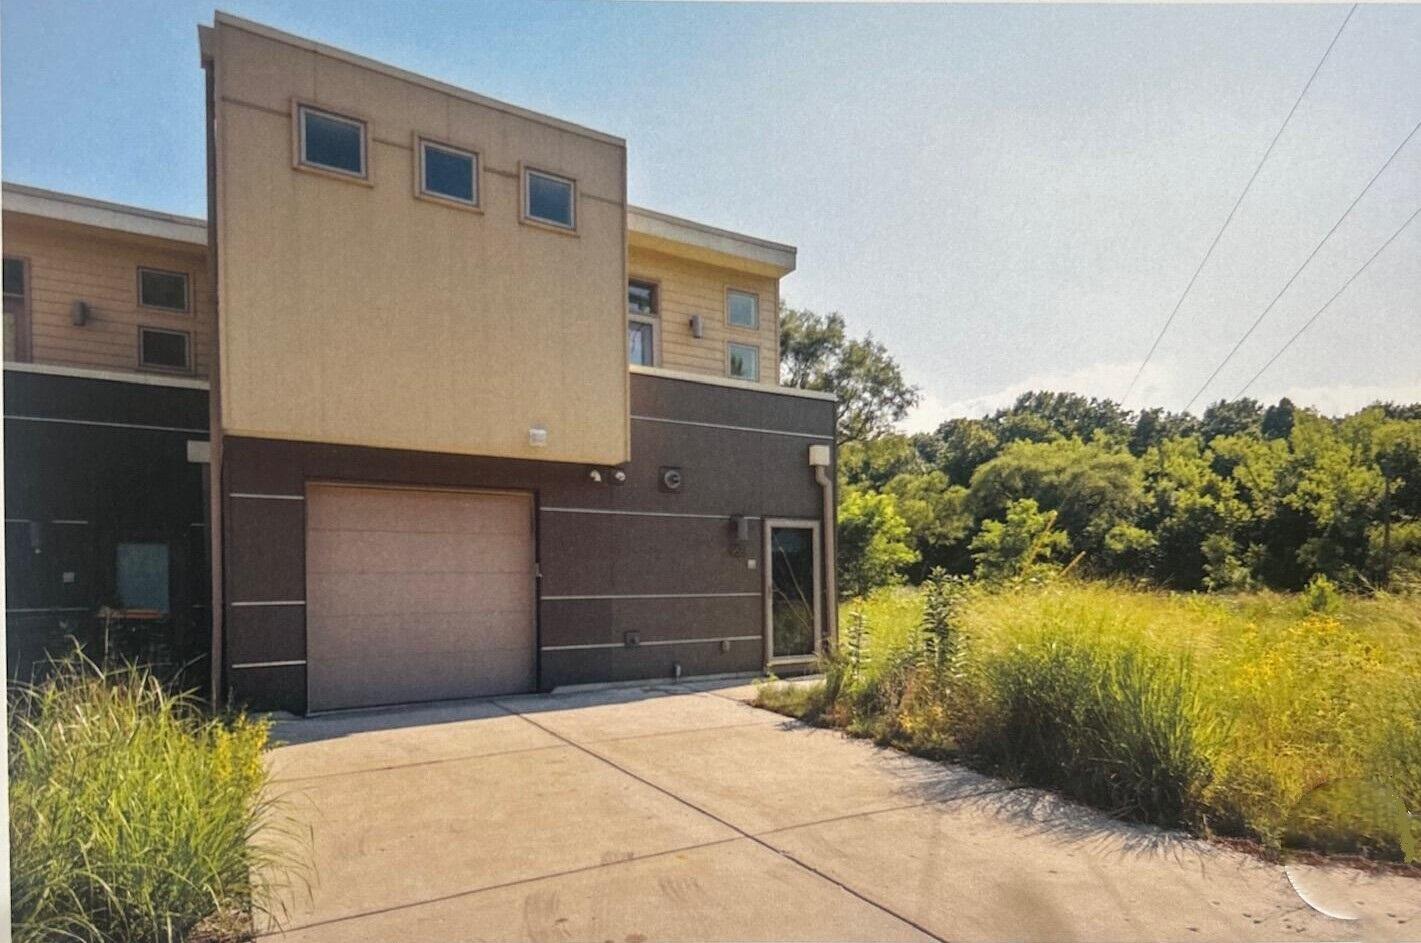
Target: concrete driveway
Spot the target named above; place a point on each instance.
(679, 812)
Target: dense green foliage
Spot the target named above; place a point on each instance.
(1294, 720)
(816, 353)
(1242, 497)
(132, 815)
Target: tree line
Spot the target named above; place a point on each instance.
(1243, 496)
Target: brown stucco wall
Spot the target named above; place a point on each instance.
(685, 546)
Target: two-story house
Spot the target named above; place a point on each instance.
(439, 412)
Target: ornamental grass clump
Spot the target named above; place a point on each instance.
(133, 815)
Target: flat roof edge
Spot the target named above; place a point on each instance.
(678, 229)
(746, 385)
(67, 207)
(393, 71)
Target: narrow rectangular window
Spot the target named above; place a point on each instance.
(550, 199)
(448, 173)
(165, 290)
(165, 350)
(641, 322)
(332, 142)
(744, 362)
(17, 285)
(641, 343)
(742, 309)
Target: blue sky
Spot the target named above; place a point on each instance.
(1008, 196)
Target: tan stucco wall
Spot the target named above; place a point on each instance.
(688, 287)
(358, 314)
(70, 262)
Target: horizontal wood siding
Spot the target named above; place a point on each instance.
(688, 288)
(69, 263)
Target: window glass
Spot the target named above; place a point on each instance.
(14, 278)
(550, 199)
(641, 344)
(167, 349)
(641, 298)
(449, 173)
(744, 362)
(329, 141)
(162, 289)
(744, 309)
(143, 576)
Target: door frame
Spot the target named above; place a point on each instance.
(767, 526)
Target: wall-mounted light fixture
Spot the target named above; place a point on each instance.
(698, 329)
(79, 313)
(538, 437)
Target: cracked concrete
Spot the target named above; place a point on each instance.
(678, 812)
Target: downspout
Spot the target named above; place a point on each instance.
(819, 458)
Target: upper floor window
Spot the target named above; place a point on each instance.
(165, 290)
(548, 198)
(641, 322)
(17, 294)
(165, 350)
(742, 309)
(331, 142)
(448, 173)
(744, 362)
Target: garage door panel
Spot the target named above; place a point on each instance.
(414, 595)
(346, 551)
(396, 511)
(434, 677)
(388, 635)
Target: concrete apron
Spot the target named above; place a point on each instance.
(677, 812)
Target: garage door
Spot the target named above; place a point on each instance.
(417, 595)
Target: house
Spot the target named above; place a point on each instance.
(439, 412)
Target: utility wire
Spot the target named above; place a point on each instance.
(1237, 203)
(1288, 284)
(1318, 313)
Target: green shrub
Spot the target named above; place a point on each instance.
(1253, 715)
(132, 815)
(1321, 595)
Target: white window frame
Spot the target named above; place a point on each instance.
(302, 109)
(187, 290)
(424, 143)
(531, 172)
(730, 363)
(653, 319)
(754, 296)
(187, 349)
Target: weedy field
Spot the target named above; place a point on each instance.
(1292, 720)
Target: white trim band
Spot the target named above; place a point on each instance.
(107, 425)
(269, 664)
(748, 385)
(653, 596)
(266, 497)
(268, 602)
(117, 376)
(708, 517)
(662, 641)
(720, 425)
(54, 609)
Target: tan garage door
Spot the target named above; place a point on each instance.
(417, 595)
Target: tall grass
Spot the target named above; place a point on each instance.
(1264, 715)
(133, 816)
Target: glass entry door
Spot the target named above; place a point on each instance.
(792, 616)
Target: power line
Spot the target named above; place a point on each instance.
(1318, 313)
(1237, 203)
(1286, 285)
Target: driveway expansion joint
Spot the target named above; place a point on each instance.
(853, 892)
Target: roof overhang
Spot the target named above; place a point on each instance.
(658, 232)
(65, 207)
